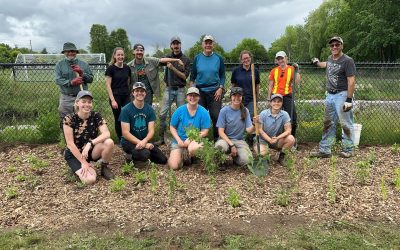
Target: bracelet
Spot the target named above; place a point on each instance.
(91, 144)
(231, 146)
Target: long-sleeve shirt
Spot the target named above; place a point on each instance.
(64, 75)
(208, 72)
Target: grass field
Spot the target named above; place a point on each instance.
(22, 103)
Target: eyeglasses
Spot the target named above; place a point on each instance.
(337, 45)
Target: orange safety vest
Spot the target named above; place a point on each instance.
(287, 88)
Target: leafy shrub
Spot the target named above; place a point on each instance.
(48, 125)
(233, 198)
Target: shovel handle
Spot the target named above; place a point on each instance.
(253, 86)
(80, 85)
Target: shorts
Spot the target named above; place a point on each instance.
(174, 145)
(272, 146)
(74, 163)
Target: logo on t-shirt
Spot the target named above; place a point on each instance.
(140, 122)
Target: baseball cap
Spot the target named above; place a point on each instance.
(208, 37)
(137, 46)
(336, 38)
(138, 85)
(193, 90)
(280, 54)
(236, 90)
(276, 96)
(82, 94)
(175, 38)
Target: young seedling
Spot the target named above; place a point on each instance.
(140, 177)
(37, 165)
(153, 176)
(128, 168)
(384, 191)
(21, 178)
(33, 182)
(11, 169)
(396, 179)
(332, 180)
(172, 185)
(363, 171)
(283, 197)
(233, 198)
(11, 192)
(395, 148)
(117, 185)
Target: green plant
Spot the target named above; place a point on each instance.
(61, 141)
(117, 185)
(332, 179)
(363, 171)
(233, 198)
(11, 192)
(11, 169)
(172, 185)
(48, 127)
(128, 168)
(34, 181)
(396, 179)
(21, 177)
(395, 148)
(140, 177)
(259, 164)
(37, 165)
(153, 176)
(283, 197)
(384, 191)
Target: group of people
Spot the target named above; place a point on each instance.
(131, 88)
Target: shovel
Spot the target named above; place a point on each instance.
(259, 166)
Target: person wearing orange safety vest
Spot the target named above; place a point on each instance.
(280, 82)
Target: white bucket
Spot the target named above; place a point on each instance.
(356, 133)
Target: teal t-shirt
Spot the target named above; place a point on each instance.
(138, 119)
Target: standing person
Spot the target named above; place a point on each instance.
(233, 120)
(276, 128)
(118, 78)
(137, 123)
(340, 85)
(88, 139)
(241, 77)
(280, 82)
(184, 117)
(208, 75)
(66, 77)
(175, 78)
(145, 70)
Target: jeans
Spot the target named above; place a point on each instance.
(208, 102)
(287, 106)
(334, 113)
(170, 96)
(121, 100)
(155, 154)
(149, 98)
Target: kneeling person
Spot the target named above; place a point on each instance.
(84, 143)
(276, 129)
(137, 123)
(186, 116)
(233, 120)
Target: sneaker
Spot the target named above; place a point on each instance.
(106, 172)
(346, 154)
(320, 154)
(159, 142)
(186, 157)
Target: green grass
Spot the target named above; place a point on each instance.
(337, 235)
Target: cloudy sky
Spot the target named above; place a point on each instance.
(50, 23)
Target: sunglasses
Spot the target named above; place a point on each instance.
(333, 45)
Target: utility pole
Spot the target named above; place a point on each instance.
(30, 43)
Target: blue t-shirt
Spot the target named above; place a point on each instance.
(208, 72)
(230, 120)
(273, 126)
(138, 119)
(181, 120)
(242, 78)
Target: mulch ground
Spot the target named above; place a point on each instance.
(48, 200)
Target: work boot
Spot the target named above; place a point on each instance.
(282, 159)
(161, 140)
(344, 154)
(106, 171)
(319, 154)
(186, 157)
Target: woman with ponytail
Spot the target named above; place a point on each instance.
(233, 121)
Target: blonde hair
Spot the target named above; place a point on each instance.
(112, 61)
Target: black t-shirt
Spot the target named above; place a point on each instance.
(119, 79)
(84, 130)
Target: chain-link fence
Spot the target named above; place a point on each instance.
(29, 101)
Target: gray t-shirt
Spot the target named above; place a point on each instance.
(271, 125)
(229, 119)
(337, 72)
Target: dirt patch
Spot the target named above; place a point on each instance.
(46, 200)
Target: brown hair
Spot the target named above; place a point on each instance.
(245, 52)
(243, 112)
(112, 61)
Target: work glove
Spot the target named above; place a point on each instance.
(77, 81)
(315, 60)
(77, 69)
(348, 104)
(295, 65)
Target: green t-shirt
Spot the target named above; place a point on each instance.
(142, 77)
(138, 119)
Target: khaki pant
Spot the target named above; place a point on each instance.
(244, 153)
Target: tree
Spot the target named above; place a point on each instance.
(44, 51)
(161, 52)
(258, 50)
(119, 38)
(196, 49)
(99, 40)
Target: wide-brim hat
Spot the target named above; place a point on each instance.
(69, 47)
